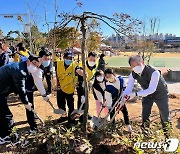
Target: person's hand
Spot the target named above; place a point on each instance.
(103, 104)
(80, 72)
(28, 106)
(83, 99)
(46, 98)
(129, 96)
(58, 87)
(119, 107)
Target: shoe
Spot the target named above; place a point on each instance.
(62, 119)
(129, 128)
(89, 117)
(5, 140)
(48, 92)
(15, 139)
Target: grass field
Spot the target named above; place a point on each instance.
(158, 60)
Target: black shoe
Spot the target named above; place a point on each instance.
(48, 92)
(15, 139)
(62, 119)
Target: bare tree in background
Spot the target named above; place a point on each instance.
(122, 24)
(148, 47)
(45, 17)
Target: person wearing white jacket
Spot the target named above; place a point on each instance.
(34, 81)
(114, 90)
(99, 87)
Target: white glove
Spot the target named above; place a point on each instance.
(129, 96)
(83, 99)
(46, 98)
(28, 106)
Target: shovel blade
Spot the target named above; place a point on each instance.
(99, 122)
(94, 119)
(74, 112)
(59, 111)
(103, 124)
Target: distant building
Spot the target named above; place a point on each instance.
(116, 40)
(172, 40)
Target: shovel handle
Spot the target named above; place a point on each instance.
(102, 107)
(37, 116)
(113, 108)
(116, 112)
(51, 104)
(80, 108)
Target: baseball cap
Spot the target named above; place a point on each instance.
(69, 53)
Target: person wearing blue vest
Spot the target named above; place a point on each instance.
(154, 89)
(4, 58)
(114, 90)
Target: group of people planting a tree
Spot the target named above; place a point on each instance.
(109, 89)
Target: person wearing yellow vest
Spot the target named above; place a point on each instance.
(22, 54)
(67, 71)
(91, 67)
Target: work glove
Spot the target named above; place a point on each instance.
(46, 98)
(129, 96)
(28, 106)
(83, 99)
(119, 107)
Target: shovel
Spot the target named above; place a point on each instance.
(77, 113)
(104, 122)
(56, 111)
(101, 122)
(94, 118)
(38, 116)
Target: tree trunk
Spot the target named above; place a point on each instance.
(83, 30)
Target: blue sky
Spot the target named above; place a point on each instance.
(167, 10)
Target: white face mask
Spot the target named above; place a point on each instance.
(100, 78)
(31, 68)
(138, 69)
(111, 79)
(91, 63)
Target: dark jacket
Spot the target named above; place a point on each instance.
(145, 78)
(116, 93)
(97, 86)
(4, 59)
(13, 76)
(101, 65)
